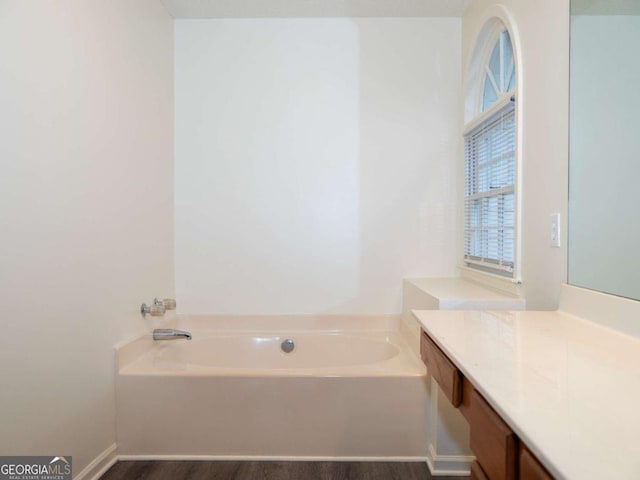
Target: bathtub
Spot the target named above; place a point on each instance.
(352, 388)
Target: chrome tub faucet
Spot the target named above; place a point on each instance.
(170, 334)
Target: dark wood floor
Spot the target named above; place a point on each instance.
(156, 470)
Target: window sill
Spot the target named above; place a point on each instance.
(458, 293)
(506, 286)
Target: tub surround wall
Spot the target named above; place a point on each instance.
(315, 160)
(86, 212)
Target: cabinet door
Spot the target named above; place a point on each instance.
(442, 369)
(477, 473)
(530, 467)
(492, 441)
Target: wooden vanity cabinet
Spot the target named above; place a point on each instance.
(476, 472)
(465, 405)
(500, 455)
(530, 467)
(442, 369)
(492, 441)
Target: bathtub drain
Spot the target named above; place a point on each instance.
(288, 345)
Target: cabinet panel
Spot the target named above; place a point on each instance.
(443, 371)
(465, 406)
(476, 472)
(492, 441)
(530, 467)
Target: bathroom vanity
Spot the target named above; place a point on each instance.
(546, 394)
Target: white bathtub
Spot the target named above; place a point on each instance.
(351, 389)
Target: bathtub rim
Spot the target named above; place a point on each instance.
(405, 363)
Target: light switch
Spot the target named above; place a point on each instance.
(555, 229)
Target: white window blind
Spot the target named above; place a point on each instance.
(489, 206)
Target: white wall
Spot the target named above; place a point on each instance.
(543, 31)
(315, 162)
(86, 210)
(605, 100)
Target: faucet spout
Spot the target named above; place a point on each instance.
(170, 334)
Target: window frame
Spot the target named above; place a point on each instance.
(486, 40)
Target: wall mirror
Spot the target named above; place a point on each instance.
(604, 147)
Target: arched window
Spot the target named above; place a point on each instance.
(500, 71)
(490, 157)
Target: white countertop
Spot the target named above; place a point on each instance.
(568, 387)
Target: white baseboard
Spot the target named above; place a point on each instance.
(109, 457)
(211, 458)
(454, 465)
(99, 465)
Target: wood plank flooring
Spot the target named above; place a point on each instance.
(236, 470)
